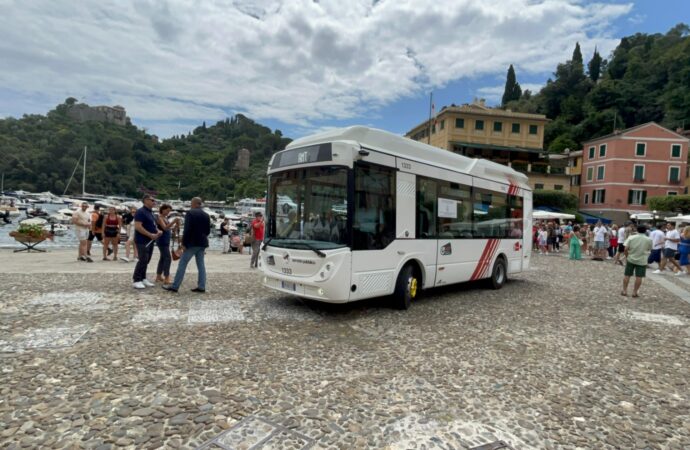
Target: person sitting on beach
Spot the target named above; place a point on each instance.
(236, 241)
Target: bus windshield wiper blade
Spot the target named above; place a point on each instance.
(266, 243)
(311, 247)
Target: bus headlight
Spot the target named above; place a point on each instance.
(325, 273)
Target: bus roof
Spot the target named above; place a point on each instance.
(403, 147)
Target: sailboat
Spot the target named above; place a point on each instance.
(84, 195)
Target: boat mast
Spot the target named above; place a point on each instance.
(83, 177)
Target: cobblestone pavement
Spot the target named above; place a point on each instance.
(556, 359)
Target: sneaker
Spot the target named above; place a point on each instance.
(81, 258)
(110, 251)
(657, 271)
(147, 283)
(680, 274)
(88, 259)
(200, 291)
(138, 285)
(168, 287)
(124, 258)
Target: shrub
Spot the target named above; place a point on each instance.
(35, 231)
(555, 199)
(671, 203)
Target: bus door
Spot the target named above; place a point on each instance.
(519, 236)
(373, 227)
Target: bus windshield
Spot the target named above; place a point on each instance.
(308, 206)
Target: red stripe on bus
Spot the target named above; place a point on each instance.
(487, 264)
(487, 260)
(481, 260)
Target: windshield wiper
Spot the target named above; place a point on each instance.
(311, 247)
(266, 243)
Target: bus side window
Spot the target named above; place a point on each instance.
(491, 219)
(426, 208)
(374, 220)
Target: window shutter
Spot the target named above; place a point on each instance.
(603, 196)
(630, 197)
(644, 197)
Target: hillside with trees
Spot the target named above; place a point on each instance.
(39, 153)
(646, 78)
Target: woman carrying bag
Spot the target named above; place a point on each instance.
(163, 243)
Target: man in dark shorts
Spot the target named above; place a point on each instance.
(637, 248)
(96, 230)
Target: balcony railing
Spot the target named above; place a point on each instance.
(674, 181)
(638, 179)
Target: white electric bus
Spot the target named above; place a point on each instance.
(378, 214)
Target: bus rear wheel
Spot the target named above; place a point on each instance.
(499, 274)
(406, 288)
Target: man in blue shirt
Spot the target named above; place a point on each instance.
(145, 233)
(197, 227)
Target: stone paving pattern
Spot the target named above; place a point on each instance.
(556, 359)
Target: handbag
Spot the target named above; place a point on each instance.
(580, 241)
(177, 253)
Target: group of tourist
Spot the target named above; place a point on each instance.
(144, 229)
(637, 245)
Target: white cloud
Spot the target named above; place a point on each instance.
(494, 94)
(294, 61)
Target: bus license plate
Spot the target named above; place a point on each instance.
(287, 285)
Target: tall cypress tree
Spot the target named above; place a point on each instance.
(577, 54)
(512, 90)
(594, 66)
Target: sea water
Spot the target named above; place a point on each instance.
(69, 239)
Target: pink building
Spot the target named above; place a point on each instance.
(621, 170)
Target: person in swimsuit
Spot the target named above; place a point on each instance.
(112, 223)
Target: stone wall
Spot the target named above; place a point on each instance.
(113, 114)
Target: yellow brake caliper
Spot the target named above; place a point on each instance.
(413, 287)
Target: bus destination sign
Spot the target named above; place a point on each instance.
(302, 155)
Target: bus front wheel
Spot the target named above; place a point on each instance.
(406, 288)
(499, 274)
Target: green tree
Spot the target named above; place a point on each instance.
(512, 90)
(594, 66)
(555, 199)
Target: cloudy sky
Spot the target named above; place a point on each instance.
(297, 65)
